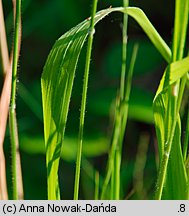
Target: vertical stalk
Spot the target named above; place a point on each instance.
(124, 51)
(118, 152)
(121, 114)
(175, 92)
(164, 164)
(124, 107)
(110, 166)
(84, 98)
(125, 104)
(12, 111)
(113, 161)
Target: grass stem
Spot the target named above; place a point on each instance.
(5, 96)
(124, 107)
(84, 98)
(118, 152)
(175, 92)
(124, 51)
(12, 111)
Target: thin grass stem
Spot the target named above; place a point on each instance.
(121, 96)
(118, 134)
(163, 168)
(3, 108)
(124, 107)
(110, 167)
(124, 51)
(89, 170)
(164, 163)
(12, 110)
(84, 98)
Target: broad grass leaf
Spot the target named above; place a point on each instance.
(57, 82)
(173, 72)
(151, 32)
(176, 182)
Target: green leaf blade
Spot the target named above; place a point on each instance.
(176, 178)
(56, 91)
(57, 82)
(151, 32)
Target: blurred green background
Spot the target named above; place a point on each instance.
(44, 21)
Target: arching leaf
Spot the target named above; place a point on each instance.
(57, 81)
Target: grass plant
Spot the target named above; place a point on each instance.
(55, 117)
(57, 83)
(171, 95)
